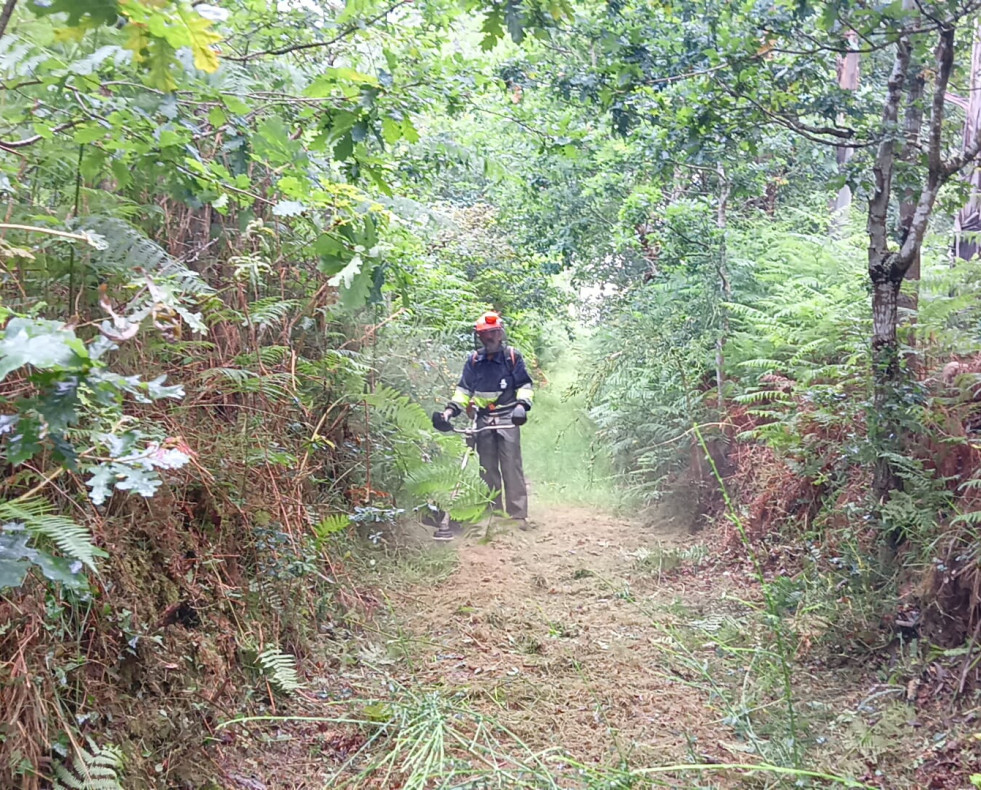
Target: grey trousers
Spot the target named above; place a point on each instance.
(500, 462)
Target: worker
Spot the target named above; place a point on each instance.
(495, 383)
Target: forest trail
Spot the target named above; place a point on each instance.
(557, 633)
(559, 639)
(550, 632)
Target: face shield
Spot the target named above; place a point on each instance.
(491, 340)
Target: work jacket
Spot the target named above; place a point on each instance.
(493, 383)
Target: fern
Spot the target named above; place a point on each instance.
(270, 311)
(399, 410)
(267, 355)
(765, 365)
(331, 525)
(763, 396)
(72, 539)
(164, 283)
(268, 594)
(280, 669)
(271, 455)
(971, 518)
(95, 768)
(275, 386)
(443, 484)
(128, 249)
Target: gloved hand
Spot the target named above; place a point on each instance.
(441, 422)
(519, 416)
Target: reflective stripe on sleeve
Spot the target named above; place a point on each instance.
(525, 394)
(461, 397)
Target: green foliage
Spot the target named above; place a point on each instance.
(442, 485)
(69, 399)
(423, 464)
(562, 454)
(337, 195)
(75, 399)
(331, 525)
(34, 517)
(126, 250)
(924, 502)
(646, 378)
(394, 407)
(277, 387)
(803, 314)
(92, 768)
(152, 31)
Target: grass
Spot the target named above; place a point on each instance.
(562, 458)
(660, 559)
(427, 740)
(427, 565)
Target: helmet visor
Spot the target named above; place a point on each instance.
(491, 339)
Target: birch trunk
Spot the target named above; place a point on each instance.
(848, 71)
(968, 219)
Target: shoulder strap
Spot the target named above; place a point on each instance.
(512, 359)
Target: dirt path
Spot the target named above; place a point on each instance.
(551, 632)
(561, 654)
(555, 636)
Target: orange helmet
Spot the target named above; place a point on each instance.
(488, 321)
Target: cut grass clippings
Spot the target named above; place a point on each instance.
(422, 739)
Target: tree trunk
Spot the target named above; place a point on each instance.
(885, 318)
(848, 71)
(886, 278)
(886, 370)
(5, 14)
(887, 265)
(913, 124)
(968, 219)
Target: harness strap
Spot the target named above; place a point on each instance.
(511, 357)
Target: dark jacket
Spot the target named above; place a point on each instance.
(493, 383)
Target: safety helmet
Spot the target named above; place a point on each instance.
(488, 321)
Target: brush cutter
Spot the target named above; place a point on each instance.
(443, 531)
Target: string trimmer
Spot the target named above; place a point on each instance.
(443, 531)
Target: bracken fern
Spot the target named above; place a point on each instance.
(94, 768)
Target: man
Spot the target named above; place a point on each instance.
(496, 383)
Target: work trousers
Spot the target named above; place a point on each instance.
(500, 467)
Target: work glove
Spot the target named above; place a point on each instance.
(440, 422)
(519, 415)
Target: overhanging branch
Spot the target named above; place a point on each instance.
(345, 32)
(824, 135)
(26, 141)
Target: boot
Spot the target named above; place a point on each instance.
(443, 533)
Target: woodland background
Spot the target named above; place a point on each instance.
(243, 245)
